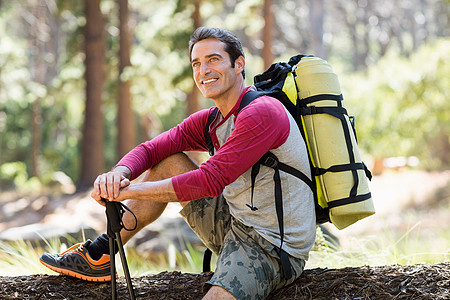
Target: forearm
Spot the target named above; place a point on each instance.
(158, 191)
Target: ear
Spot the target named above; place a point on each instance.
(239, 64)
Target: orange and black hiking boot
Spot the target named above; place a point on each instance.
(77, 262)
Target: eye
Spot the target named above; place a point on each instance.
(215, 58)
(195, 64)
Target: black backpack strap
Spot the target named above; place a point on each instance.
(339, 98)
(207, 261)
(254, 173)
(298, 174)
(285, 263)
(247, 98)
(349, 200)
(208, 139)
(270, 160)
(340, 113)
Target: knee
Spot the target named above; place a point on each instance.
(218, 292)
(175, 159)
(170, 166)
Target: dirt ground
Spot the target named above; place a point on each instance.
(387, 282)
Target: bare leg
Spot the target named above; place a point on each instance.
(147, 211)
(218, 293)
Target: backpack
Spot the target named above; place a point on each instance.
(310, 91)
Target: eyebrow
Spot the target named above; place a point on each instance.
(208, 56)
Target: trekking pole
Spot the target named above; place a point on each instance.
(114, 212)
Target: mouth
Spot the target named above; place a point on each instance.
(209, 81)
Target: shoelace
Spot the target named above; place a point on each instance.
(74, 247)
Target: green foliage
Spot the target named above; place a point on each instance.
(161, 76)
(401, 105)
(61, 106)
(15, 173)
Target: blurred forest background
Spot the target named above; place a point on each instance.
(83, 82)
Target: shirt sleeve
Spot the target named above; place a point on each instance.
(259, 127)
(187, 136)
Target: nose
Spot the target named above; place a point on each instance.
(204, 69)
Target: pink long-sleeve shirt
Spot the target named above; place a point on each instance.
(240, 140)
(259, 127)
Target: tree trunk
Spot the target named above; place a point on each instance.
(193, 98)
(125, 116)
(36, 122)
(267, 37)
(196, 17)
(316, 17)
(92, 161)
(38, 71)
(193, 102)
(351, 25)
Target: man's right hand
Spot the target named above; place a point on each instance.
(108, 185)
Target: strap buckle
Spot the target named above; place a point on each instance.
(271, 162)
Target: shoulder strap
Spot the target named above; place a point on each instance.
(246, 99)
(208, 139)
(270, 160)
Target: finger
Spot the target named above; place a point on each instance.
(103, 186)
(97, 186)
(117, 184)
(97, 198)
(110, 185)
(125, 182)
(123, 195)
(101, 202)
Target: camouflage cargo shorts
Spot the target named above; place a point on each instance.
(248, 266)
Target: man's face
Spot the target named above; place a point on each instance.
(212, 69)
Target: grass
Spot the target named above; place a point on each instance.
(418, 234)
(189, 260)
(410, 247)
(22, 258)
(390, 248)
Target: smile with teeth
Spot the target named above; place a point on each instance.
(209, 80)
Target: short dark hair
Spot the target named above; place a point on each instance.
(232, 43)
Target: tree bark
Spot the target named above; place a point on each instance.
(316, 17)
(38, 71)
(267, 37)
(125, 115)
(92, 161)
(193, 102)
(193, 98)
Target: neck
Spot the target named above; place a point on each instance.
(227, 101)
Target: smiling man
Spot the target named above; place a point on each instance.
(235, 222)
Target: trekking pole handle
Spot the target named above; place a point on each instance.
(113, 217)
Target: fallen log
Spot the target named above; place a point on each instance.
(384, 282)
